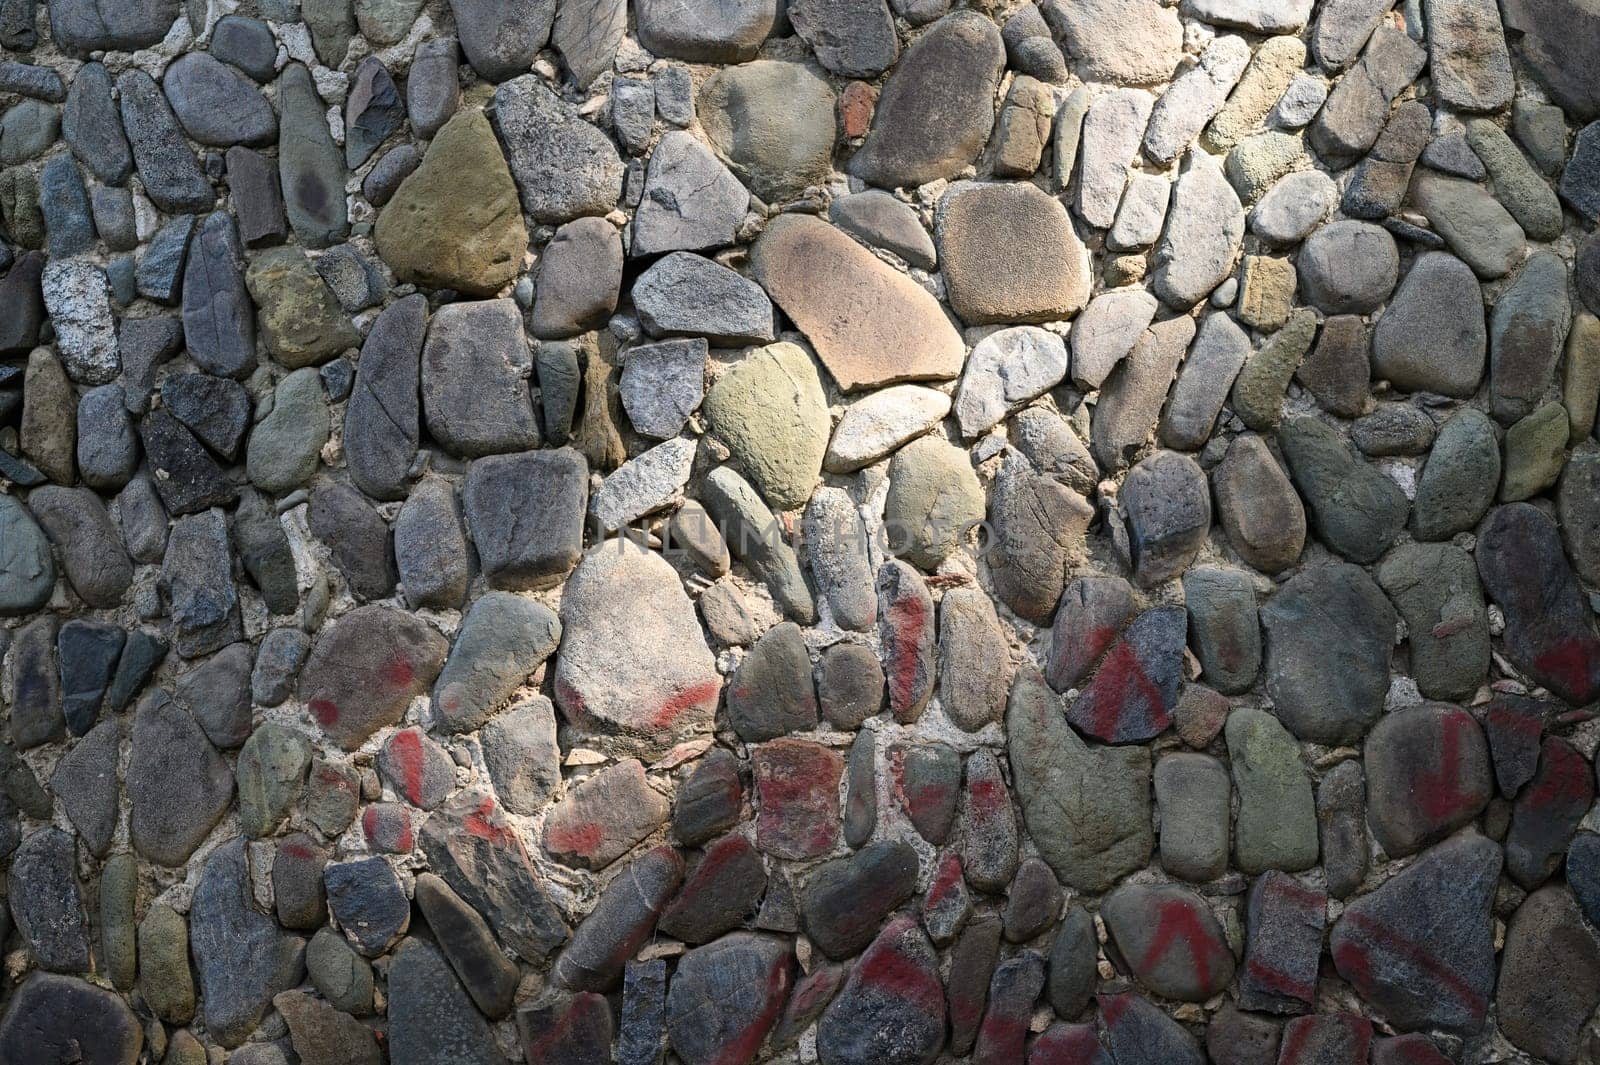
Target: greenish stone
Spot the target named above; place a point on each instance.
(119, 890)
(1535, 452)
(286, 445)
(934, 501)
(165, 982)
(1531, 201)
(272, 767)
(342, 976)
(301, 320)
(1277, 823)
(456, 222)
(770, 411)
(1259, 390)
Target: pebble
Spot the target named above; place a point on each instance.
(1192, 793)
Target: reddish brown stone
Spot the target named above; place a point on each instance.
(797, 798)
(1068, 1044)
(856, 105)
(906, 624)
(603, 817)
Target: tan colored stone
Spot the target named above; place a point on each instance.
(1268, 75)
(869, 323)
(1581, 385)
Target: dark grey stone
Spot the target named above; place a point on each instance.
(433, 1021)
(381, 430)
(216, 104)
(264, 551)
(243, 958)
(372, 111)
(46, 902)
(257, 198)
(215, 409)
(86, 654)
(247, 43)
(188, 479)
(525, 513)
(218, 317)
(166, 164)
(311, 168)
(178, 787)
(357, 536)
(475, 366)
(368, 902)
(197, 584)
(90, 547)
(86, 782)
(217, 695)
(502, 37)
(92, 126)
(432, 90)
(160, 270)
(68, 223)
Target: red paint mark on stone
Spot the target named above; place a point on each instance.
(324, 710)
(298, 851)
(1452, 627)
(398, 673)
(1120, 685)
(1276, 980)
(908, 619)
(1504, 717)
(988, 796)
(945, 880)
(406, 748)
(583, 838)
(478, 825)
(742, 1048)
(1177, 922)
(1439, 792)
(897, 976)
(1392, 941)
(682, 702)
(1570, 663)
(1112, 1007)
(1294, 1043)
(1563, 778)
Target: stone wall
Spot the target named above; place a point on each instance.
(715, 532)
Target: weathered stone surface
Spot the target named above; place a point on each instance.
(1276, 827)
(937, 108)
(619, 922)
(564, 167)
(684, 294)
(243, 958)
(772, 122)
(1547, 813)
(91, 549)
(1192, 794)
(1169, 939)
(1474, 224)
(475, 366)
(892, 1006)
(62, 1016)
(1130, 402)
(1086, 808)
(1010, 254)
(178, 786)
(365, 669)
(1333, 609)
(1548, 632)
(469, 843)
(454, 222)
(1204, 229)
(1100, 36)
(1436, 590)
(726, 996)
(1549, 977)
(1427, 773)
(1527, 331)
(1355, 508)
(882, 329)
(1037, 524)
(666, 688)
(435, 1022)
(796, 798)
(1421, 947)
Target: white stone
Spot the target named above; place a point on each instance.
(1111, 133)
(643, 485)
(1293, 207)
(1300, 102)
(873, 427)
(1144, 209)
(1262, 16)
(1005, 370)
(1204, 231)
(1106, 331)
(1194, 98)
(79, 303)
